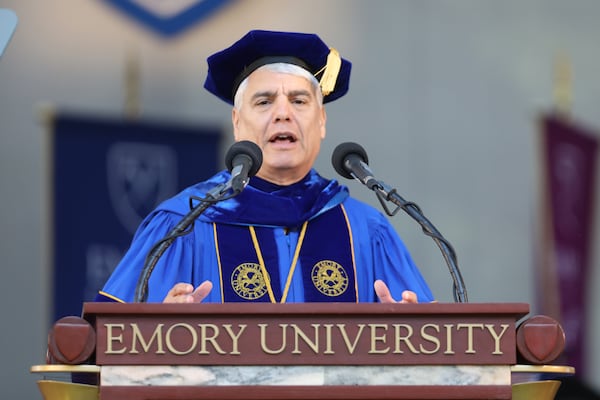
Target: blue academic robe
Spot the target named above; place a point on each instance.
(379, 253)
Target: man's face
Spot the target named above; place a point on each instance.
(281, 114)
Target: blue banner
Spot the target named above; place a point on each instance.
(107, 175)
(169, 18)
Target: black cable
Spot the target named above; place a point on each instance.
(383, 192)
(182, 228)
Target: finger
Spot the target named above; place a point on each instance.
(181, 288)
(383, 292)
(202, 291)
(409, 297)
(178, 293)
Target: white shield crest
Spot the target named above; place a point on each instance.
(140, 176)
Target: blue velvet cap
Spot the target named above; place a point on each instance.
(228, 68)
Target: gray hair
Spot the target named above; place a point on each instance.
(283, 68)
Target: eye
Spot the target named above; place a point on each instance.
(300, 100)
(262, 102)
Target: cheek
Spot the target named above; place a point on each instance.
(323, 126)
(248, 128)
(241, 131)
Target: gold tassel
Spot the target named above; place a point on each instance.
(332, 69)
(563, 85)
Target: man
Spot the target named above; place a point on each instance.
(291, 235)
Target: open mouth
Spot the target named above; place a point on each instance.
(283, 138)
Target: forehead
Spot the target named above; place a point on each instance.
(266, 80)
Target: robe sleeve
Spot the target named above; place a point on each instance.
(381, 254)
(175, 265)
(394, 265)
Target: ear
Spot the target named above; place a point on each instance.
(235, 121)
(323, 123)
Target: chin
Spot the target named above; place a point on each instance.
(281, 161)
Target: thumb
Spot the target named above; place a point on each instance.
(202, 291)
(383, 292)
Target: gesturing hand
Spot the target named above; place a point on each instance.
(384, 295)
(185, 293)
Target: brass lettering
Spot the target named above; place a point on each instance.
(350, 346)
(496, 337)
(137, 335)
(375, 338)
(234, 338)
(430, 338)
(182, 339)
(110, 338)
(406, 339)
(449, 338)
(469, 327)
(169, 342)
(328, 349)
(212, 339)
(299, 333)
(263, 339)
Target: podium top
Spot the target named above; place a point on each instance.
(372, 309)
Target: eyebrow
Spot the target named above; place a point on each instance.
(293, 93)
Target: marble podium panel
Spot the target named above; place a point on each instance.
(158, 375)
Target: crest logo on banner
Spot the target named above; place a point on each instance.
(139, 176)
(168, 17)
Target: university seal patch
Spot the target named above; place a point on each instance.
(248, 281)
(329, 278)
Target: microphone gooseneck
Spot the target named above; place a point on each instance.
(350, 161)
(243, 159)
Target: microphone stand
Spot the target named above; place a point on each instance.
(214, 195)
(386, 193)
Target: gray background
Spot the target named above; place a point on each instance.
(444, 96)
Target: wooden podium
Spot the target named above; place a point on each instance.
(302, 351)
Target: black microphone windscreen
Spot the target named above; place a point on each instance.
(248, 148)
(342, 151)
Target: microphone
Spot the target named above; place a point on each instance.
(243, 160)
(350, 161)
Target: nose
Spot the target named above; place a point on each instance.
(282, 110)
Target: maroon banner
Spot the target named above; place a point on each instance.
(569, 165)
